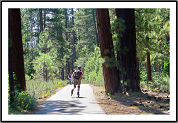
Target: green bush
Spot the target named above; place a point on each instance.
(22, 101)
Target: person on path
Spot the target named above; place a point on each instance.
(70, 78)
(77, 81)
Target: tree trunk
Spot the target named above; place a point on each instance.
(110, 73)
(93, 13)
(137, 74)
(62, 73)
(11, 81)
(148, 67)
(66, 36)
(44, 71)
(127, 53)
(44, 19)
(47, 73)
(68, 66)
(41, 20)
(66, 19)
(17, 47)
(73, 42)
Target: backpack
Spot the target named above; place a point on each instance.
(76, 74)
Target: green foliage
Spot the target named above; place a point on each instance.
(118, 26)
(45, 43)
(23, 101)
(93, 69)
(85, 29)
(42, 63)
(166, 68)
(152, 33)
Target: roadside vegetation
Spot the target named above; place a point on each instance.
(26, 101)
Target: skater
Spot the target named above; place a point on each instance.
(77, 75)
(70, 78)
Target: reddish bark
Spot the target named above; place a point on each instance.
(105, 40)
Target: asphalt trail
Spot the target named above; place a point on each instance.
(62, 103)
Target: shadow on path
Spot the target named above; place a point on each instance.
(61, 107)
(78, 97)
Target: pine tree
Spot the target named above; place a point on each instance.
(152, 30)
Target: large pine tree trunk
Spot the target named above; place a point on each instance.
(127, 53)
(17, 47)
(110, 73)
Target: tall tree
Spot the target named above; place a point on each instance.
(73, 40)
(127, 51)
(110, 73)
(94, 21)
(66, 38)
(41, 20)
(17, 49)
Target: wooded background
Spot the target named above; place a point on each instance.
(120, 49)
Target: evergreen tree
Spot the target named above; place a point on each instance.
(152, 30)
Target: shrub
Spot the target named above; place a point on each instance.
(22, 101)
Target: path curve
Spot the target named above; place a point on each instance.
(62, 103)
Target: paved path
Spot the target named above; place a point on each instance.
(62, 103)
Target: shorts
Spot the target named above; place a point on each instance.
(77, 82)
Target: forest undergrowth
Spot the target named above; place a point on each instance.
(27, 101)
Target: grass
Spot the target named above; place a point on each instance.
(40, 88)
(134, 107)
